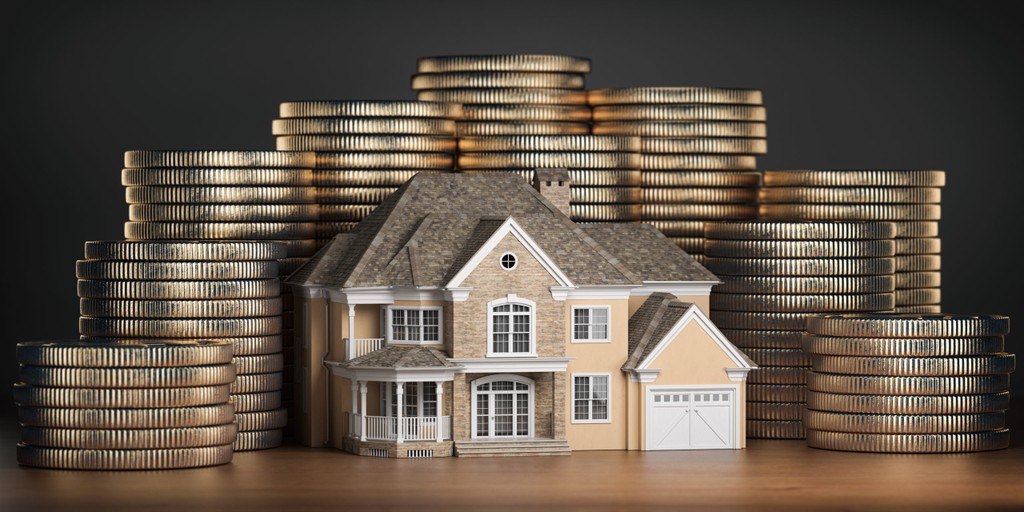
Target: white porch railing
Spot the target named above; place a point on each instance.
(382, 428)
(355, 347)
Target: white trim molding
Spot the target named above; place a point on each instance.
(510, 226)
(643, 376)
(677, 288)
(609, 292)
(512, 364)
(340, 369)
(737, 374)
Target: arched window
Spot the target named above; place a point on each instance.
(511, 330)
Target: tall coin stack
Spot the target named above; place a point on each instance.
(775, 275)
(113, 405)
(604, 169)
(908, 383)
(225, 291)
(365, 150)
(909, 198)
(698, 145)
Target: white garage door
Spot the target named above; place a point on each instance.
(691, 419)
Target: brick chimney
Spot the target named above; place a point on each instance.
(553, 184)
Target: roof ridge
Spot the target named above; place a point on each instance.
(371, 247)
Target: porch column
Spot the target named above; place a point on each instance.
(355, 404)
(362, 407)
(400, 397)
(440, 409)
(351, 332)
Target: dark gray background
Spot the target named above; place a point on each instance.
(847, 85)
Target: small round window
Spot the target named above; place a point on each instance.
(509, 261)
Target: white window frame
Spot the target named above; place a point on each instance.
(572, 324)
(515, 260)
(514, 300)
(572, 400)
(474, 393)
(390, 331)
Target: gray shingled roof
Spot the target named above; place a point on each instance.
(651, 323)
(647, 252)
(398, 356)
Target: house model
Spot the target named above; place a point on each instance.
(468, 315)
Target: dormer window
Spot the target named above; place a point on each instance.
(414, 325)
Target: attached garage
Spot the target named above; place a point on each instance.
(692, 418)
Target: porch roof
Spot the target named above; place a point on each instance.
(399, 356)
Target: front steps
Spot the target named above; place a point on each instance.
(512, 448)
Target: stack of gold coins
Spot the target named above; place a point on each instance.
(908, 383)
(225, 291)
(366, 150)
(113, 405)
(698, 146)
(909, 198)
(604, 169)
(775, 275)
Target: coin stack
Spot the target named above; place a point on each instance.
(775, 275)
(113, 405)
(604, 169)
(908, 383)
(225, 291)
(697, 146)
(365, 150)
(909, 198)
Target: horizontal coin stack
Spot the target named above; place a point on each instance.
(116, 405)
(698, 145)
(225, 291)
(908, 383)
(909, 198)
(775, 275)
(604, 170)
(365, 150)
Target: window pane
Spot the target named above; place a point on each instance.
(581, 332)
(413, 316)
(431, 333)
(431, 317)
(600, 315)
(520, 307)
(398, 316)
(500, 344)
(501, 308)
(600, 332)
(482, 411)
(500, 323)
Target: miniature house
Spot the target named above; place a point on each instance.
(468, 315)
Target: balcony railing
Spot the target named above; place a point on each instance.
(383, 428)
(355, 347)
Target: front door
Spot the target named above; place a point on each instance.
(502, 407)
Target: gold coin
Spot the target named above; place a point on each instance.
(258, 440)
(700, 179)
(370, 108)
(171, 177)
(261, 420)
(353, 195)
(800, 248)
(902, 347)
(123, 353)
(362, 125)
(918, 279)
(497, 128)
(778, 357)
(537, 143)
(512, 62)
(257, 383)
(366, 178)
(852, 195)
(692, 245)
(579, 177)
(677, 112)
(130, 439)
(497, 79)
(851, 211)
(775, 393)
(698, 211)
(155, 377)
(748, 338)
(805, 285)
(775, 429)
(258, 363)
(916, 229)
(175, 270)
(855, 178)
(255, 345)
(346, 212)
(918, 263)
(327, 230)
(604, 195)
(810, 231)
(698, 195)
(882, 404)
(682, 128)
(252, 402)
(577, 159)
(916, 366)
(217, 230)
(674, 162)
(253, 159)
(918, 296)
(506, 95)
(114, 460)
(206, 308)
(179, 328)
(909, 326)
(526, 174)
(577, 113)
(663, 95)
(738, 146)
(923, 308)
(904, 423)
(919, 246)
(222, 212)
(909, 443)
(800, 267)
(801, 302)
(184, 251)
(205, 290)
(393, 143)
(688, 228)
(786, 411)
(384, 160)
(129, 398)
(605, 212)
(778, 375)
(889, 385)
(219, 195)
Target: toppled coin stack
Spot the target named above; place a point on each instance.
(604, 169)
(697, 146)
(775, 275)
(909, 198)
(908, 383)
(134, 404)
(365, 150)
(225, 291)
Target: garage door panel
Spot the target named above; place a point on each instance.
(681, 419)
(712, 428)
(673, 426)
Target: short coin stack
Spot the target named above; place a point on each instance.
(114, 405)
(908, 383)
(225, 291)
(604, 169)
(698, 145)
(775, 275)
(909, 198)
(366, 150)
